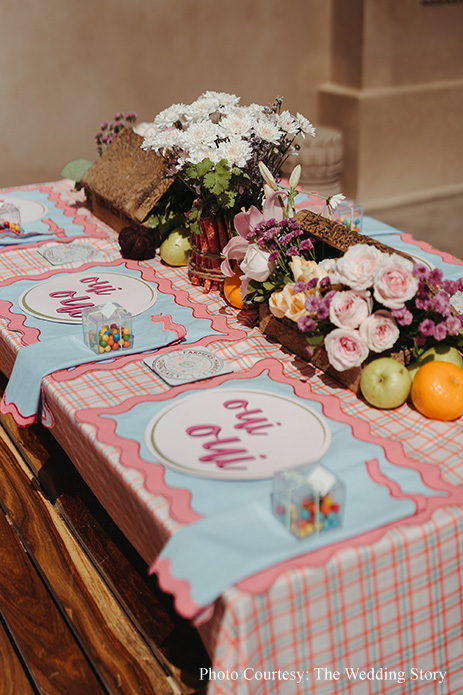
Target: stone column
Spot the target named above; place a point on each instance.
(396, 93)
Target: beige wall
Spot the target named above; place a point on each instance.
(388, 73)
(67, 65)
(396, 91)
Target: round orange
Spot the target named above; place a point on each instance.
(231, 290)
(437, 390)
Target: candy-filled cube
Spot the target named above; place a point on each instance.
(107, 328)
(308, 499)
(10, 218)
(348, 213)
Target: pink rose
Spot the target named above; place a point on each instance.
(256, 265)
(394, 282)
(358, 266)
(345, 348)
(348, 308)
(379, 331)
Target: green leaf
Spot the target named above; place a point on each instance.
(315, 339)
(76, 169)
(217, 181)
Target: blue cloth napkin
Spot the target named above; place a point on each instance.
(34, 362)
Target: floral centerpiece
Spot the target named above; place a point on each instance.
(213, 148)
(354, 307)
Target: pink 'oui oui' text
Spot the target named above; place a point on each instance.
(229, 451)
(73, 304)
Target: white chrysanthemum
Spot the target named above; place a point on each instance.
(161, 142)
(236, 123)
(167, 118)
(254, 110)
(268, 131)
(201, 133)
(236, 151)
(222, 98)
(201, 109)
(304, 125)
(287, 123)
(197, 154)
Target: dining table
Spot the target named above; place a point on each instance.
(181, 437)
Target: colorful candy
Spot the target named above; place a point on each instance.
(308, 499)
(109, 338)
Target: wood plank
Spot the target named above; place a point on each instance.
(37, 626)
(174, 641)
(13, 678)
(116, 650)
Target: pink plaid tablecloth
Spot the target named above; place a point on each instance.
(385, 617)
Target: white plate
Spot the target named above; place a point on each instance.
(31, 210)
(60, 298)
(236, 434)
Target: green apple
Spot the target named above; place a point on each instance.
(385, 383)
(441, 353)
(175, 248)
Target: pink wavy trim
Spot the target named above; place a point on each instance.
(180, 588)
(16, 323)
(374, 471)
(12, 409)
(427, 248)
(168, 324)
(68, 208)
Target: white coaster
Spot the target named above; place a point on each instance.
(188, 365)
(72, 252)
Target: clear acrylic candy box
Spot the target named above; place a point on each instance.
(107, 328)
(10, 218)
(347, 213)
(308, 499)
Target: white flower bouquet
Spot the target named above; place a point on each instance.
(213, 148)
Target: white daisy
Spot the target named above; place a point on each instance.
(304, 125)
(287, 123)
(268, 131)
(236, 151)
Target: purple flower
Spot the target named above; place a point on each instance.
(420, 340)
(312, 303)
(299, 286)
(450, 286)
(403, 316)
(323, 310)
(421, 303)
(306, 244)
(426, 327)
(420, 271)
(292, 251)
(453, 325)
(440, 303)
(306, 324)
(435, 276)
(273, 256)
(324, 282)
(440, 331)
(312, 283)
(423, 289)
(309, 351)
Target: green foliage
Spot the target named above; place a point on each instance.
(75, 169)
